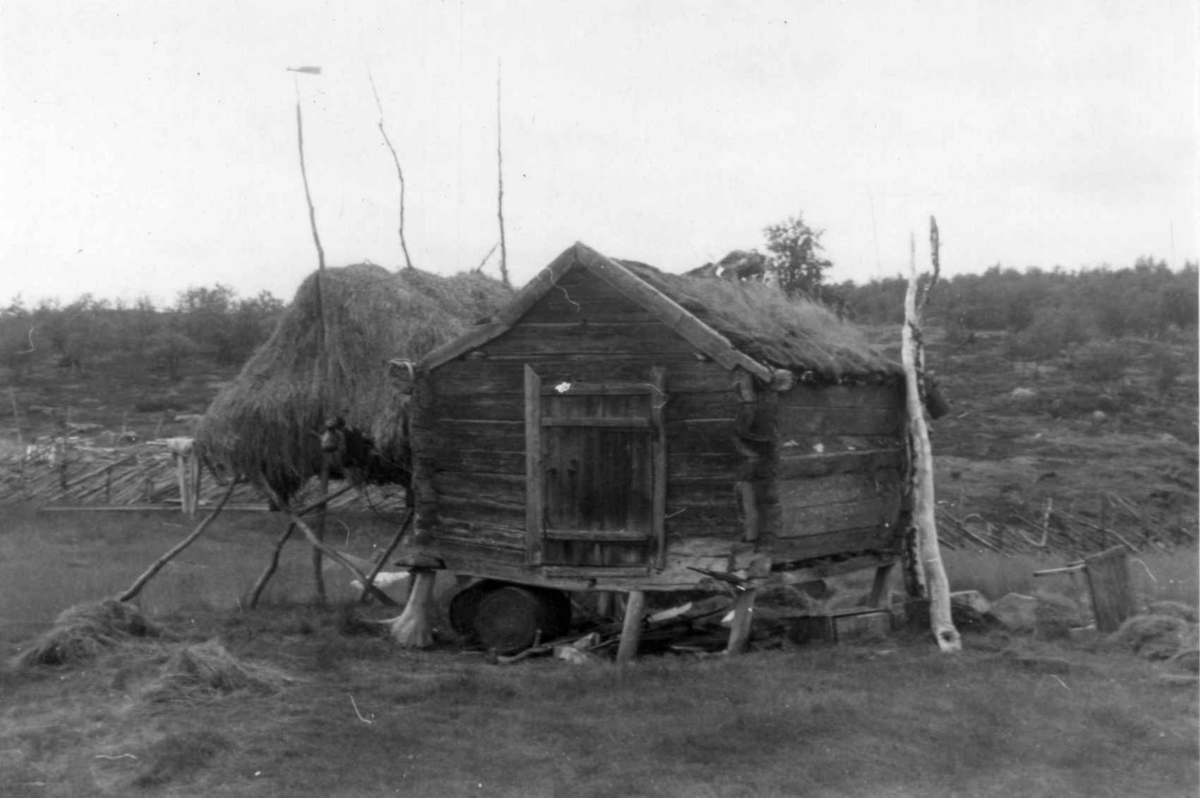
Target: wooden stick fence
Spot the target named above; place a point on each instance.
(1069, 532)
(142, 477)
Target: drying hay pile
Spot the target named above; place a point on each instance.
(1157, 635)
(85, 631)
(267, 421)
(207, 670)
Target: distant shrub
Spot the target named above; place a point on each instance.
(1080, 400)
(1101, 362)
(1165, 368)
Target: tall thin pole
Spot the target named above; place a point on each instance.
(500, 182)
(322, 376)
(399, 172)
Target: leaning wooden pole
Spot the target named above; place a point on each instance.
(379, 565)
(272, 565)
(332, 554)
(141, 581)
(923, 506)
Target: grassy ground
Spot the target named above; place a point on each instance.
(1154, 576)
(51, 561)
(359, 716)
(1009, 716)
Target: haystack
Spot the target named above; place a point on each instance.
(268, 420)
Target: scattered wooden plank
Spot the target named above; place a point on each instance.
(1108, 582)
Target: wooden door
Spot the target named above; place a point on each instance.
(596, 465)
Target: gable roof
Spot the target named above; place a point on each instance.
(747, 325)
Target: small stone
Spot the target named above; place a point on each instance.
(973, 599)
(1016, 612)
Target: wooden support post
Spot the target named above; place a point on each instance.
(194, 475)
(535, 479)
(412, 628)
(319, 529)
(604, 604)
(631, 630)
(743, 615)
(187, 469)
(879, 587)
(921, 470)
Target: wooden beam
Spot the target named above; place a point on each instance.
(1108, 583)
(743, 616)
(750, 516)
(823, 570)
(614, 388)
(634, 424)
(878, 596)
(362, 596)
(535, 481)
(594, 572)
(658, 464)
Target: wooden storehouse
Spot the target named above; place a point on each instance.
(617, 428)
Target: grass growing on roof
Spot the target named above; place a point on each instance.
(268, 419)
(758, 319)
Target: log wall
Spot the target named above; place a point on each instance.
(468, 427)
(837, 472)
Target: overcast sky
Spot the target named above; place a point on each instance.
(149, 146)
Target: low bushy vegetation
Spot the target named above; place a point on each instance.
(205, 325)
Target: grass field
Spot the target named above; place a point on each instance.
(359, 716)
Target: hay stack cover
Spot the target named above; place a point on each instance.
(269, 418)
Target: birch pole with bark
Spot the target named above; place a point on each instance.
(923, 507)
